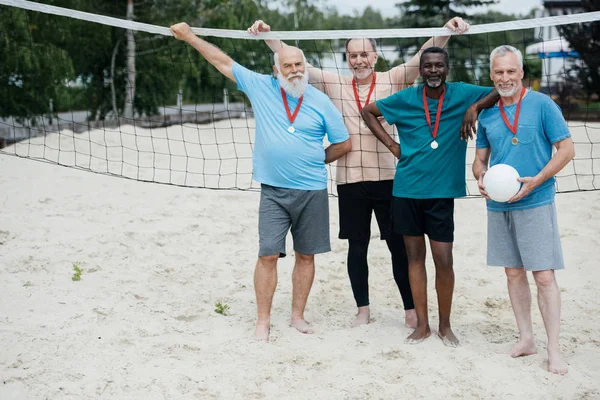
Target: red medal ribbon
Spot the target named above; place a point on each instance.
(291, 116)
(354, 86)
(513, 128)
(438, 114)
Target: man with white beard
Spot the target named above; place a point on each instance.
(364, 176)
(292, 119)
(523, 233)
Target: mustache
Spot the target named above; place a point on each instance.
(294, 75)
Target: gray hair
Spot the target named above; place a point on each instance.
(372, 41)
(503, 50)
(276, 59)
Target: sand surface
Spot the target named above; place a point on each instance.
(141, 322)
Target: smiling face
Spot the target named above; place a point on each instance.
(291, 63)
(433, 69)
(290, 67)
(506, 73)
(361, 57)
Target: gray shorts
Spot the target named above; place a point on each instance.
(525, 239)
(305, 211)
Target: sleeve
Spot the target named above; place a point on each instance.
(477, 93)
(321, 79)
(553, 123)
(334, 123)
(482, 141)
(399, 76)
(245, 78)
(389, 106)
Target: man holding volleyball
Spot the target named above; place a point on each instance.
(292, 119)
(364, 176)
(430, 173)
(522, 233)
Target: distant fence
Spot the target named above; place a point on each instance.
(11, 132)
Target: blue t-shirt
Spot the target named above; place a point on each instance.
(541, 123)
(283, 159)
(423, 172)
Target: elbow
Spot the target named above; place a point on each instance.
(347, 146)
(572, 153)
(364, 113)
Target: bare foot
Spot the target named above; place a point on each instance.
(410, 318)
(448, 337)
(556, 364)
(525, 347)
(363, 316)
(418, 335)
(301, 326)
(262, 330)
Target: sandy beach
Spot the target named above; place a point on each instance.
(156, 259)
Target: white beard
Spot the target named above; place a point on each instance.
(434, 84)
(295, 88)
(363, 73)
(507, 93)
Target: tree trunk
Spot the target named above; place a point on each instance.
(128, 109)
(112, 80)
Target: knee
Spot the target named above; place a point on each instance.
(358, 247)
(305, 259)
(415, 254)
(515, 274)
(268, 261)
(544, 278)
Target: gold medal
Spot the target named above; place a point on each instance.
(291, 129)
(515, 141)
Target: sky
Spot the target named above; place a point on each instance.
(387, 8)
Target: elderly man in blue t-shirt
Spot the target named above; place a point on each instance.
(523, 233)
(430, 173)
(292, 119)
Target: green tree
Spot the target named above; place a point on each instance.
(469, 54)
(585, 40)
(31, 71)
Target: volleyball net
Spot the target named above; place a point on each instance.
(123, 98)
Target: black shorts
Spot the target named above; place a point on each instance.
(357, 201)
(418, 217)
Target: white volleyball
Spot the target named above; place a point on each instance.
(501, 183)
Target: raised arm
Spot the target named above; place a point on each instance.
(456, 24)
(369, 115)
(480, 166)
(259, 26)
(212, 54)
(468, 127)
(565, 152)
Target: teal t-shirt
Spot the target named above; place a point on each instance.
(423, 172)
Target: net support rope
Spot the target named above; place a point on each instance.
(302, 35)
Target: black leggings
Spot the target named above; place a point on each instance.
(358, 270)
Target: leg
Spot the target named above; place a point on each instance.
(400, 270)
(302, 280)
(549, 303)
(415, 251)
(273, 225)
(444, 286)
(265, 282)
(355, 211)
(358, 271)
(520, 298)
